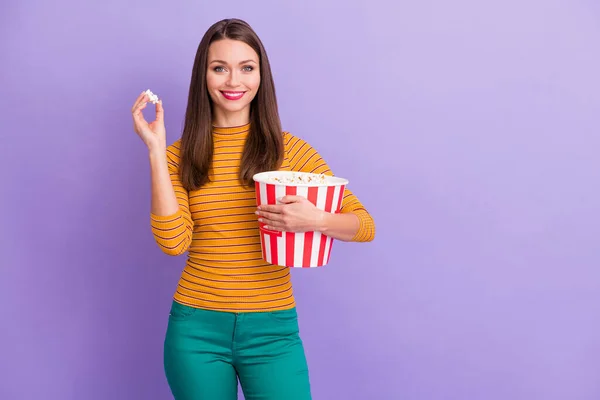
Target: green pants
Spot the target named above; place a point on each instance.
(205, 352)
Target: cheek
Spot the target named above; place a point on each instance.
(253, 82)
(212, 82)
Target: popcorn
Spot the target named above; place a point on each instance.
(297, 249)
(299, 179)
(152, 96)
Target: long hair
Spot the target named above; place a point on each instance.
(263, 149)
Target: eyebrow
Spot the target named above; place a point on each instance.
(241, 62)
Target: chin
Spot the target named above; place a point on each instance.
(234, 107)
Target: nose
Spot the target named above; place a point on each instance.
(234, 79)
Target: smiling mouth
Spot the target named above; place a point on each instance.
(232, 95)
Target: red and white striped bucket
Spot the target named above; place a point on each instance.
(293, 249)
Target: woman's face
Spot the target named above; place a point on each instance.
(232, 77)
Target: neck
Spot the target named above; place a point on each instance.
(227, 119)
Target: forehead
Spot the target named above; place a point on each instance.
(231, 51)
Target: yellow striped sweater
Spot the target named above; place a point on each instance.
(217, 226)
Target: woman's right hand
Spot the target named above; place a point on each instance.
(153, 134)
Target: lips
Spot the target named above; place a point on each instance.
(229, 95)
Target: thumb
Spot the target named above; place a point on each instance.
(160, 112)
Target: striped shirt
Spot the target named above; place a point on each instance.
(218, 228)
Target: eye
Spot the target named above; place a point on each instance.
(218, 69)
(248, 68)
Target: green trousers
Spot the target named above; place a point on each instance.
(206, 352)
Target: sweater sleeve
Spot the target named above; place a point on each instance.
(173, 233)
(303, 157)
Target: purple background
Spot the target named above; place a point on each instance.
(468, 129)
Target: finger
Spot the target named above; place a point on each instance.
(273, 227)
(138, 115)
(139, 108)
(136, 102)
(160, 112)
(291, 199)
(270, 216)
(271, 208)
(141, 98)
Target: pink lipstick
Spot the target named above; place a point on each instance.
(232, 95)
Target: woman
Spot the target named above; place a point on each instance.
(233, 315)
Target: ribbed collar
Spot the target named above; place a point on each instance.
(233, 132)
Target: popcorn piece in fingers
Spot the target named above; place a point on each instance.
(153, 98)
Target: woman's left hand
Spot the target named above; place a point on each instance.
(296, 214)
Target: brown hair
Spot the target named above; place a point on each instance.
(263, 149)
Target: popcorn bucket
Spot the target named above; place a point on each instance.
(293, 249)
